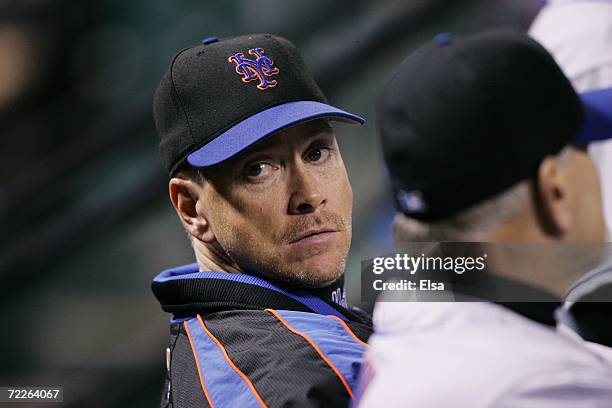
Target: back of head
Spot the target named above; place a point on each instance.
(465, 123)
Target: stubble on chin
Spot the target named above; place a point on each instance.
(255, 257)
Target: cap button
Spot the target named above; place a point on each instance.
(443, 39)
(209, 40)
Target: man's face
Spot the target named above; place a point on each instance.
(283, 207)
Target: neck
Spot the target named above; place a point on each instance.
(211, 257)
(525, 253)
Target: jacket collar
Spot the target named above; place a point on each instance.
(185, 291)
(531, 302)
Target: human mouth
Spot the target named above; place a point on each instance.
(315, 235)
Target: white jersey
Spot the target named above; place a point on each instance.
(477, 355)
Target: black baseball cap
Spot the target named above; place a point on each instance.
(462, 120)
(222, 96)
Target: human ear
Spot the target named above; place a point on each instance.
(551, 191)
(186, 197)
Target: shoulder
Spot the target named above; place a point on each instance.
(445, 352)
(283, 357)
(579, 44)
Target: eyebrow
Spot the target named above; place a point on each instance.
(317, 133)
(266, 144)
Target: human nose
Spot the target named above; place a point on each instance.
(306, 195)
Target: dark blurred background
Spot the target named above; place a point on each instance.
(84, 216)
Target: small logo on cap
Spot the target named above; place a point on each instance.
(259, 68)
(443, 39)
(411, 201)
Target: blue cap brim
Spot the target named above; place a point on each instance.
(597, 124)
(261, 125)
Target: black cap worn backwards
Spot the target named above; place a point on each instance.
(219, 98)
(464, 120)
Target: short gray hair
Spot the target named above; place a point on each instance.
(473, 224)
